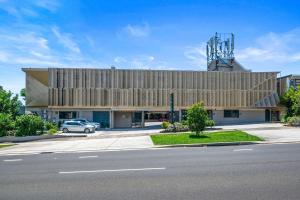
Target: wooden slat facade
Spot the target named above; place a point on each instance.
(128, 89)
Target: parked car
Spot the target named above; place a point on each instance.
(76, 126)
(95, 124)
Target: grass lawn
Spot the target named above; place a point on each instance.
(5, 145)
(192, 138)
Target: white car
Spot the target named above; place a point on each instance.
(75, 126)
(95, 124)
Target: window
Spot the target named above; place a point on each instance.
(231, 113)
(73, 123)
(67, 115)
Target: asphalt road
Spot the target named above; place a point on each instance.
(235, 172)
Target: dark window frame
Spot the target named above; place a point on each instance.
(231, 114)
(64, 114)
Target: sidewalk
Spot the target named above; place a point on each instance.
(78, 145)
(271, 132)
(139, 138)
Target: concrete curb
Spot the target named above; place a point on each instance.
(34, 138)
(208, 144)
(226, 144)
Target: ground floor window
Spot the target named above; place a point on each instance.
(67, 115)
(210, 114)
(231, 113)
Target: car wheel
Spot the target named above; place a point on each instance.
(87, 130)
(65, 130)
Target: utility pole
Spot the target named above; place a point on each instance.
(172, 110)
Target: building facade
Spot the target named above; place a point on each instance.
(124, 98)
(285, 82)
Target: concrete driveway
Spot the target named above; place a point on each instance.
(78, 145)
(271, 132)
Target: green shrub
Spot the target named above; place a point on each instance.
(52, 131)
(196, 117)
(6, 124)
(165, 125)
(29, 125)
(210, 123)
(179, 127)
(184, 122)
(293, 121)
(284, 118)
(49, 125)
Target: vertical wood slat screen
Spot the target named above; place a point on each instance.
(151, 88)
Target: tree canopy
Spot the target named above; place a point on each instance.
(291, 99)
(9, 103)
(23, 93)
(197, 117)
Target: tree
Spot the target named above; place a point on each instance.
(29, 125)
(291, 99)
(9, 103)
(23, 93)
(197, 117)
(6, 124)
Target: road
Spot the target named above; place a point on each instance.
(234, 172)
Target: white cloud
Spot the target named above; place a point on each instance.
(28, 48)
(137, 30)
(66, 40)
(16, 10)
(3, 56)
(24, 41)
(272, 48)
(196, 55)
(119, 59)
(90, 41)
(51, 5)
(139, 62)
(25, 8)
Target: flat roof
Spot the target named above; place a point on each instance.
(34, 69)
(173, 70)
(290, 75)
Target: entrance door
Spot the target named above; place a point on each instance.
(101, 117)
(268, 115)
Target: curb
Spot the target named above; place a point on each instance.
(208, 144)
(34, 138)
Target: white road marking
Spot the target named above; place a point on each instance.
(242, 149)
(12, 160)
(112, 170)
(82, 157)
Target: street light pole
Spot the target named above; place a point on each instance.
(172, 110)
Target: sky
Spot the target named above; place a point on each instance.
(139, 34)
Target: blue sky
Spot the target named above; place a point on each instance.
(144, 34)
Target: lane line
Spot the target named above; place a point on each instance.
(112, 170)
(82, 157)
(242, 149)
(13, 160)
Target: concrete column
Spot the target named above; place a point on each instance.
(143, 119)
(111, 119)
(180, 115)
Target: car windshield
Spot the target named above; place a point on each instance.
(83, 123)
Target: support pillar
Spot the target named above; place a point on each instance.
(111, 119)
(143, 119)
(180, 115)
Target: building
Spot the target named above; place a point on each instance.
(126, 98)
(123, 98)
(285, 82)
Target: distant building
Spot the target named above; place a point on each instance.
(285, 82)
